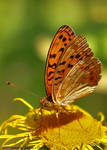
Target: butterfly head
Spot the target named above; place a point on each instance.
(46, 101)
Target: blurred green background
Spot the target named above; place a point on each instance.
(26, 31)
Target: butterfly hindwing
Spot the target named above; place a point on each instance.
(77, 73)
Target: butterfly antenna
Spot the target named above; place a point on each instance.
(22, 89)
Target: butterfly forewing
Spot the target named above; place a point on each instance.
(77, 73)
(62, 39)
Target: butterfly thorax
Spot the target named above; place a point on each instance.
(48, 102)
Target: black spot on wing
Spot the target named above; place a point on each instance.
(61, 71)
(62, 63)
(72, 33)
(51, 72)
(52, 55)
(71, 56)
(64, 39)
(50, 78)
(77, 56)
(70, 66)
(58, 78)
(65, 44)
(52, 66)
(60, 37)
(81, 58)
(61, 49)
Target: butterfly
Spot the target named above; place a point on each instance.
(71, 71)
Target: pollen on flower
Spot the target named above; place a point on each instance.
(68, 128)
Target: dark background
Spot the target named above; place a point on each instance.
(26, 31)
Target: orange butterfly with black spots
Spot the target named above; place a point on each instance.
(71, 71)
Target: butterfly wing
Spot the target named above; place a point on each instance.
(60, 42)
(77, 73)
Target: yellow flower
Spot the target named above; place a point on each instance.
(69, 128)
